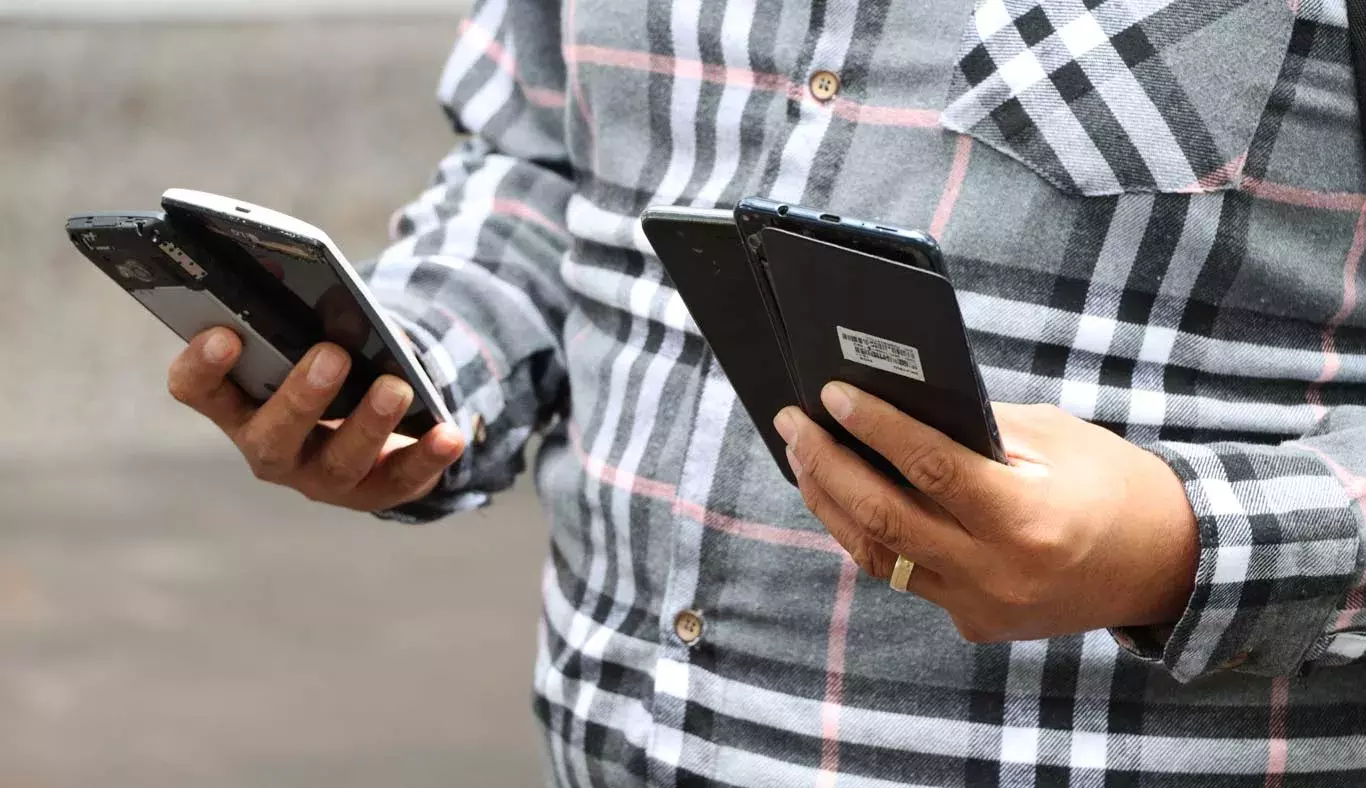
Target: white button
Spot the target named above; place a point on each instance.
(688, 627)
(824, 85)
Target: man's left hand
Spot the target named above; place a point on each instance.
(1082, 530)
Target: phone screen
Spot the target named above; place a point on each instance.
(302, 266)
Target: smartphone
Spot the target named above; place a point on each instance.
(701, 252)
(307, 268)
(171, 276)
(889, 328)
(869, 304)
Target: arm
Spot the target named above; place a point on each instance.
(473, 274)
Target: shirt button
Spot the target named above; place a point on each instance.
(824, 85)
(481, 432)
(688, 627)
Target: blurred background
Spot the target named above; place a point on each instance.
(165, 620)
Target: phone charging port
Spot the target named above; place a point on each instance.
(830, 217)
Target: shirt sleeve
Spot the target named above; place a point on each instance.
(473, 273)
(1279, 587)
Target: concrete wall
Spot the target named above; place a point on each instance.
(166, 620)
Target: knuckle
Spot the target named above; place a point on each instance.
(1045, 546)
(338, 473)
(815, 459)
(933, 471)
(876, 514)
(875, 561)
(369, 430)
(410, 474)
(862, 554)
(297, 403)
(267, 462)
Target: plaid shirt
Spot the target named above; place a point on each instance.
(1153, 212)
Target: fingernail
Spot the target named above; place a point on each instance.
(786, 426)
(327, 366)
(794, 462)
(836, 399)
(389, 397)
(217, 348)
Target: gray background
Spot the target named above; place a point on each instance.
(165, 620)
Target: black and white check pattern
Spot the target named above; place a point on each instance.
(1186, 273)
(1083, 90)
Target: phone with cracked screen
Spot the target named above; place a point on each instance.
(700, 251)
(335, 304)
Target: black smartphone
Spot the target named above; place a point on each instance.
(897, 244)
(870, 304)
(891, 329)
(189, 291)
(701, 252)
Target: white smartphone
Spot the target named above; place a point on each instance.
(313, 269)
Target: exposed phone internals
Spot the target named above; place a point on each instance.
(701, 253)
(318, 277)
(897, 244)
(891, 329)
(171, 276)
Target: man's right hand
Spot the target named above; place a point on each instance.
(359, 464)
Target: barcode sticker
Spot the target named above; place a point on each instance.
(880, 353)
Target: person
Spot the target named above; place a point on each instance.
(1154, 217)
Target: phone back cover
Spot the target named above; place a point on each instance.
(708, 268)
(890, 329)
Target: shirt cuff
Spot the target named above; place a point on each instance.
(460, 367)
(1278, 551)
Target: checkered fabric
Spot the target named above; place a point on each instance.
(1096, 96)
(1154, 213)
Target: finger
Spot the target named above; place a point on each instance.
(873, 558)
(198, 378)
(272, 440)
(352, 451)
(411, 472)
(969, 486)
(885, 513)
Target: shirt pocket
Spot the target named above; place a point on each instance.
(1104, 97)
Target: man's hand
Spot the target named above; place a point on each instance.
(1082, 531)
(359, 464)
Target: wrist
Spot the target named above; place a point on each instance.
(1170, 538)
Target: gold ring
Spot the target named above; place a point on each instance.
(901, 574)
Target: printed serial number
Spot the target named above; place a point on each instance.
(880, 353)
